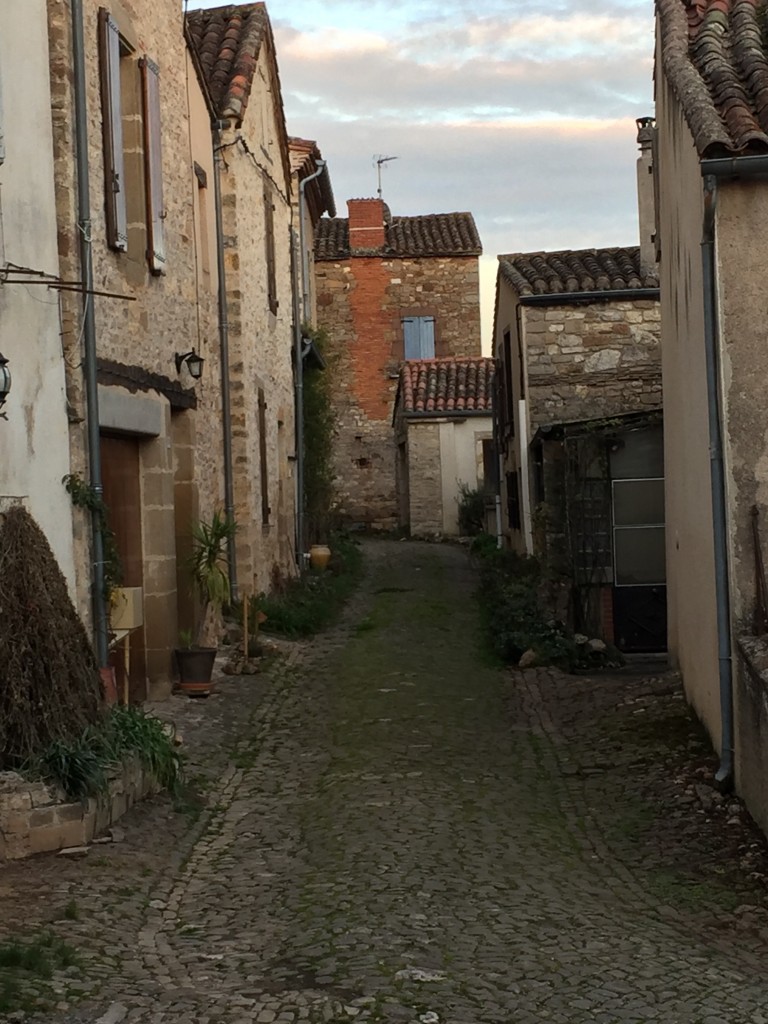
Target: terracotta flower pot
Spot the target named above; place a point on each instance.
(319, 556)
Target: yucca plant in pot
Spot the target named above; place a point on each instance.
(207, 567)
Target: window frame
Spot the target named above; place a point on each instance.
(269, 243)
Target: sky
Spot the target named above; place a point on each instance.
(520, 111)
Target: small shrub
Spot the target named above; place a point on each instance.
(307, 605)
(471, 511)
(82, 766)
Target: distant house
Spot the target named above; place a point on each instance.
(235, 49)
(579, 428)
(444, 435)
(712, 184)
(388, 289)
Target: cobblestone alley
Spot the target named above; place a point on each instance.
(393, 828)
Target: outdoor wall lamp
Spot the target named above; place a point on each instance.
(194, 363)
(5, 381)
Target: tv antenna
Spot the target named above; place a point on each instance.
(380, 160)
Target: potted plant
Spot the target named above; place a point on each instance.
(208, 569)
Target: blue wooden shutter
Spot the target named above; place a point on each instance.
(427, 337)
(411, 337)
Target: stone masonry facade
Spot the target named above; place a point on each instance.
(593, 360)
(362, 301)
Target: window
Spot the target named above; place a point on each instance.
(132, 137)
(153, 165)
(419, 337)
(265, 509)
(111, 48)
(513, 501)
(269, 234)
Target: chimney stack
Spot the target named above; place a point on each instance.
(646, 194)
(366, 224)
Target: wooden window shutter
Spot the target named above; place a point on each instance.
(427, 337)
(269, 231)
(265, 509)
(112, 122)
(411, 337)
(153, 165)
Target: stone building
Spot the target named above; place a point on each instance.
(579, 401)
(712, 187)
(150, 234)
(388, 289)
(34, 453)
(236, 52)
(444, 435)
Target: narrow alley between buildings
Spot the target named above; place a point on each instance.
(393, 828)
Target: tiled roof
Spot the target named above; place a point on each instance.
(228, 40)
(447, 385)
(715, 59)
(575, 270)
(305, 154)
(437, 234)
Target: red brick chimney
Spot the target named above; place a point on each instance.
(366, 224)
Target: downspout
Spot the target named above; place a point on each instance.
(226, 403)
(302, 240)
(89, 328)
(724, 776)
(299, 314)
(298, 383)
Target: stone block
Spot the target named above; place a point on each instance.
(15, 823)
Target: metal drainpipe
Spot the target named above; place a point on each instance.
(724, 776)
(89, 326)
(226, 409)
(298, 417)
(299, 314)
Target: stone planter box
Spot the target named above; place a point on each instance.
(38, 818)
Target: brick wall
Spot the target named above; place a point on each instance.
(361, 302)
(591, 361)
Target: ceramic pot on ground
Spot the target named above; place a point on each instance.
(195, 665)
(319, 556)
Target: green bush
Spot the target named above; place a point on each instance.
(471, 511)
(82, 766)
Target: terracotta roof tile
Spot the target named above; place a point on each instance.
(228, 40)
(304, 155)
(437, 234)
(444, 386)
(714, 57)
(575, 270)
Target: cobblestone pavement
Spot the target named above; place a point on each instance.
(394, 829)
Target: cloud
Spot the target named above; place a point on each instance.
(522, 113)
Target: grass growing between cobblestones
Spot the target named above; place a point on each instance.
(25, 965)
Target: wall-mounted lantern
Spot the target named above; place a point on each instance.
(5, 381)
(194, 363)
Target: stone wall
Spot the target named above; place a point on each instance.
(361, 302)
(261, 344)
(590, 361)
(148, 318)
(425, 484)
(38, 818)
